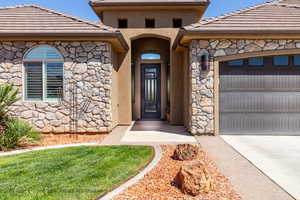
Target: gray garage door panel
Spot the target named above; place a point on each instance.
(260, 81)
(260, 123)
(261, 100)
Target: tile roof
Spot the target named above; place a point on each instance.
(290, 1)
(147, 2)
(32, 20)
(281, 16)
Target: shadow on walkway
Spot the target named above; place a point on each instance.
(158, 126)
(149, 133)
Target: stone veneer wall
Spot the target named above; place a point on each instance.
(87, 63)
(202, 83)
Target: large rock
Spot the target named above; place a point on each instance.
(194, 179)
(185, 152)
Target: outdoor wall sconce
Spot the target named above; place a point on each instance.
(204, 61)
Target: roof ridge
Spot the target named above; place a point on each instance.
(97, 25)
(287, 5)
(277, 1)
(236, 12)
(17, 6)
(100, 25)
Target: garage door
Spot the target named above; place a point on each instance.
(260, 96)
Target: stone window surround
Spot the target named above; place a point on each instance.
(204, 114)
(43, 61)
(89, 63)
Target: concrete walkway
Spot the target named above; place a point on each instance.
(149, 133)
(276, 156)
(247, 180)
(115, 136)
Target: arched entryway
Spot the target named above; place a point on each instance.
(150, 78)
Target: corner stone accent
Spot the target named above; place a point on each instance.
(202, 83)
(89, 64)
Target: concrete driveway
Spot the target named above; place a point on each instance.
(276, 156)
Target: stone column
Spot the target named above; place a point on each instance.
(201, 101)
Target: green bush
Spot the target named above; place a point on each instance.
(17, 132)
(13, 132)
(8, 96)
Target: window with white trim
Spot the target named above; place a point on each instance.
(43, 74)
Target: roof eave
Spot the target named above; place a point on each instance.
(184, 36)
(114, 36)
(122, 41)
(112, 4)
(56, 34)
(178, 38)
(249, 31)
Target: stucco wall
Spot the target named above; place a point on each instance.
(124, 73)
(204, 92)
(115, 90)
(89, 64)
(186, 88)
(163, 19)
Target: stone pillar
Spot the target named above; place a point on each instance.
(201, 101)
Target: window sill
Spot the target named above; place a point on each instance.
(42, 101)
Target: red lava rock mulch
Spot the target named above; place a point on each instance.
(159, 183)
(57, 139)
(60, 139)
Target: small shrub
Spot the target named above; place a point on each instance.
(17, 132)
(8, 96)
(13, 132)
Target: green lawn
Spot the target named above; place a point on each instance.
(71, 173)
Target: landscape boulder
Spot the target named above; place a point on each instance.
(185, 152)
(194, 179)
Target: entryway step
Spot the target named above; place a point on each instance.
(114, 138)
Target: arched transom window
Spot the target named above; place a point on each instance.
(43, 74)
(150, 55)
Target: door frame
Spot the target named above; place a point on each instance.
(143, 66)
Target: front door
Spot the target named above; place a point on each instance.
(151, 91)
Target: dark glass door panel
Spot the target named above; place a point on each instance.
(151, 91)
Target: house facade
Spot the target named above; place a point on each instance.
(233, 74)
